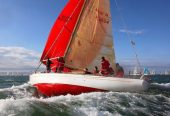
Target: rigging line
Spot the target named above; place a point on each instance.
(51, 58)
(128, 34)
(58, 35)
(39, 64)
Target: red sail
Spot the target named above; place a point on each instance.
(61, 32)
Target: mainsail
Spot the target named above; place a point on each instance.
(93, 37)
(82, 34)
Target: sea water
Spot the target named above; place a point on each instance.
(16, 100)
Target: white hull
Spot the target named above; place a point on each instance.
(91, 81)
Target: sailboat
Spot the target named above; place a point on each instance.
(136, 72)
(82, 34)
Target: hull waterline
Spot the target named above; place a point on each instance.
(54, 84)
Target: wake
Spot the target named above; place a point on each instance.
(162, 86)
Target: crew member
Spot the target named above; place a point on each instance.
(105, 66)
(119, 70)
(60, 64)
(48, 65)
(96, 70)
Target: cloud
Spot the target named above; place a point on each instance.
(18, 58)
(135, 32)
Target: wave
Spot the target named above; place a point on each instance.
(18, 101)
(162, 86)
(87, 104)
(16, 92)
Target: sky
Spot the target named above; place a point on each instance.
(25, 25)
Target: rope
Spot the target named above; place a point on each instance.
(38, 67)
(128, 34)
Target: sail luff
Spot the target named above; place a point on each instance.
(75, 28)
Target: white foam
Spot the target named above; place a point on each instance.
(11, 107)
(162, 85)
(90, 104)
(17, 92)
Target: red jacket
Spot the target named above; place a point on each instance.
(105, 65)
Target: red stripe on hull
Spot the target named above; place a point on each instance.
(63, 89)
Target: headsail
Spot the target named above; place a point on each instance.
(93, 37)
(62, 31)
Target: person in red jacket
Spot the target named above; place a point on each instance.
(60, 64)
(105, 66)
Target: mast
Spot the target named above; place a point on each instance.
(73, 34)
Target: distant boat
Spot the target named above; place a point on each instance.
(82, 34)
(167, 72)
(152, 72)
(149, 72)
(136, 72)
